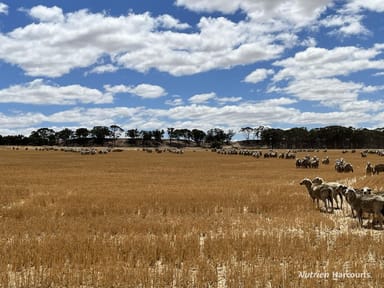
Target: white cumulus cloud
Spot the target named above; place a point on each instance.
(258, 75)
(134, 41)
(141, 90)
(317, 62)
(47, 14)
(3, 8)
(202, 98)
(39, 92)
(108, 68)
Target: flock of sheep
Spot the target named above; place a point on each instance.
(361, 201)
(163, 150)
(255, 153)
(80, 150)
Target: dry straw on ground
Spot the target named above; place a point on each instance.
(136, 219)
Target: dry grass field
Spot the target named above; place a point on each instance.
(137, 219)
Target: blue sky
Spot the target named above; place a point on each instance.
(190, 64)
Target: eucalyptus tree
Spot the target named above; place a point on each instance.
(198, 136)
(146, 137)
(171, 134)
(99, 133)
(115, 132)
(258, 131)
(272, 137)
(158, 135)
(133, 134)
(216, 137)
(42, 136)
(247, 131)
(82, 135)
(64, 135)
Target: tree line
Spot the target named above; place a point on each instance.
(332, 137)
(109, 135)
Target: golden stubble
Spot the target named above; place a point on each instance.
(200, 219)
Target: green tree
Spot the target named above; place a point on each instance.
(133, 134)
(217, 137)
(82, 133)
(198, 136)
(273, 138)
(229, 135)
(247, 131)
(258, 131)
(297, 137)
(64, 135)
(146, 137)
(171, 134)
(115, 132)
(43, 136)
(158, 135)
(99, 133)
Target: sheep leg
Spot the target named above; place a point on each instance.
(326, 205)
(331, 200)
(360, 217)
(341, 200)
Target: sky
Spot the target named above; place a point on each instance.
(190, 64)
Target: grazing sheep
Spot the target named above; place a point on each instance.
(314, 162)
(325, 160)
(342, 166)
(378, 168)
(308, 162)
(371, 204)
(348, 167)
(319, 192)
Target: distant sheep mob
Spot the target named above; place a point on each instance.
(308, 162)
(342, 166)
(361, 201)
(256, 153)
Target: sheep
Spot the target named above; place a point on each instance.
(336, 190)
(319, 192)
(378, 168)
(366, 203)
(342, 166)
(362, 191)
(348, 167)
(306, 162)
(369, 170)
(364, 154)
(314, 162)
(325, 160)
(365, 191)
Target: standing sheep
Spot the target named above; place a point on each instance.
(336, 190)
(366, 204)
(369, 170)
(378, 168)
(319, 192)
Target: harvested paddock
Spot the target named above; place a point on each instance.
(200, 219)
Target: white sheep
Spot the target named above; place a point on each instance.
(336, 190)
(319, 192)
